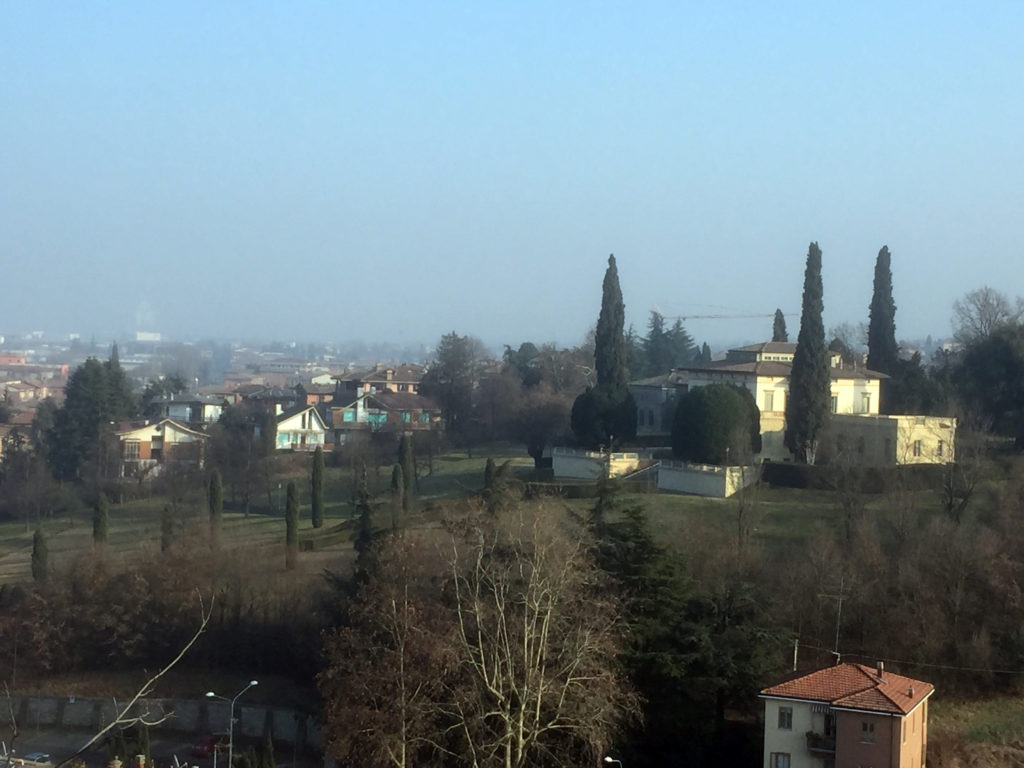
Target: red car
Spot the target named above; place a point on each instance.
(208, 744)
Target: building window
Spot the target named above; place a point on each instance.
(424, 417)
(131, 450)
(917, 447)
(867, 732)
(639, 417)
(835, 403)
(786, 718)
(938, 448)
(779, 760)
(769, 401)
(865, 401)
(406, 416)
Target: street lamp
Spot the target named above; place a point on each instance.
(231, 720)
(610, 759)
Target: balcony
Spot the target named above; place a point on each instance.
(820, 744)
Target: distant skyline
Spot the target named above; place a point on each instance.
(392, 172)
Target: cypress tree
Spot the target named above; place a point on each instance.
(363, 539)
(883, 353)
(705, 353)
(100, 520)
(215, 502)
(609, 341)
(489, 470)
(166, 528)
(317, 489)
(607, 412)
(779, 332)
(40, 556)
(291, 521)
(807, 406)
(405, 456)
(397, 494)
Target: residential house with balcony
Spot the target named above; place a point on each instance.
(381, 378)
(846, 716)
(399, 412)
(147, 448)
(301, 428)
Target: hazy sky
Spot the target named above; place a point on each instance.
(394, 171)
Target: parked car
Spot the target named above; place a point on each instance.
(208, 744)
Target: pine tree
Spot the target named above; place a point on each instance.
(883, 353)
(683, 350)
(215, 503)
(317, 488)
(807, 406)
(779, 332)
(40, 556)
(291, 520)
(100, 520)
(657, 346)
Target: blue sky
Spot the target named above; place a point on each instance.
(394, 171)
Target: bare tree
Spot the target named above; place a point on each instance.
(981, 311)
(536, 637)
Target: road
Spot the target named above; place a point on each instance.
(59, 744)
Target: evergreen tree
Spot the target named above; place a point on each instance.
(363, 539)
(215, 501)
(657, 346)
(291, 521)
(779, 332)
(405, 456)
(883, 353)
(489, 470)
(807, 406)
(166, 528)
(267, 759)
(100, 520)
(705, 353)
(317, 488)
(683, 351)
(607, 412)
(609, 342)
(397, 494)
(40, 556)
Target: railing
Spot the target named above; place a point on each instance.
(819, 742)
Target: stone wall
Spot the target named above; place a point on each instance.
(181, 716)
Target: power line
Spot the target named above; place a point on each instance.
(920, 663)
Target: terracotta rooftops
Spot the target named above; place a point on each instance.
(855, 686)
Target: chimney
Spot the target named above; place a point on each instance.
(881, 670)
(910, 692)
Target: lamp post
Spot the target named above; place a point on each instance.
(609, 759)
(231, 720)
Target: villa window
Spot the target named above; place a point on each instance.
(786, 718)
(834, 403)
(938, 448)
(867, 732)
(769, 401)
(917, 447)
(865, 400)
(131, 450)
(779, 760)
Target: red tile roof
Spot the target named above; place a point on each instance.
(855, 686)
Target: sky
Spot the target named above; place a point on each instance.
(391, 172)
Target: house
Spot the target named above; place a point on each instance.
(191, 408)
(400, 378)
(846, 716)
(301, 428)
(146, 448)
(764, 370)
(398, 412)
(880, 440)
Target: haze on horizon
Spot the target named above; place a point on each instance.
(392, 172)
